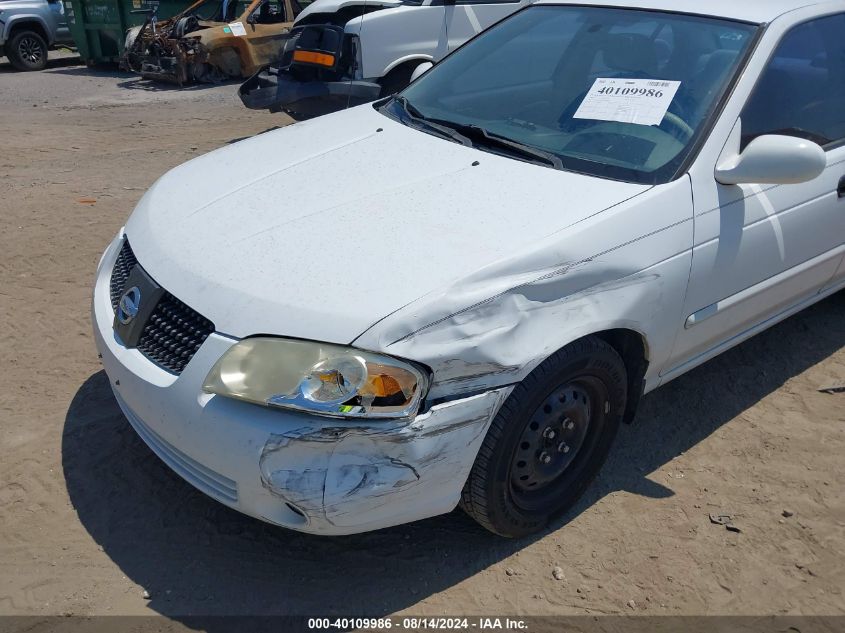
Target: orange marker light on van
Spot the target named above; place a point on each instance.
(310, 57)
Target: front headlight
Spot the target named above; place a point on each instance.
(319, 378)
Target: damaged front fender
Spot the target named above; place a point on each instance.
(623, 269)
(347, 476)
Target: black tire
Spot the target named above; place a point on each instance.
(27, 50)
(577, 397)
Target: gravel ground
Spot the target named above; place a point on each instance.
(91, 520)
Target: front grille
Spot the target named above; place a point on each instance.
(120, 273)
(174, 332)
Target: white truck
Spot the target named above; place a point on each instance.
(347, 52)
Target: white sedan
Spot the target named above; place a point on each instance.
(456, 295)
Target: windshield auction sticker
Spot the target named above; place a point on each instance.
(238, 29)
(638, 101)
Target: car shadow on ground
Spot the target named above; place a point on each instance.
(133, 81)
(197, 557)
(99, 70)
(150, 85)
(52, 63)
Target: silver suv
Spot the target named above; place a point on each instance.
(28, 28)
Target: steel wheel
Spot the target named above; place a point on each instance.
(548, 440)
(552, 440)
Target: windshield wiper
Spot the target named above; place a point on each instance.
(418, 117)
(463, 133)
(502, 142)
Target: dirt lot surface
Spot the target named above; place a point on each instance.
(90, 519)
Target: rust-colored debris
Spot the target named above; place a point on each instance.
(209, 41)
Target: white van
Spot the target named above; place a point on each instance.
(347, 52)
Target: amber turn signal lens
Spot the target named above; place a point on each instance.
(383, 386)
(310, 57)
(319, 378)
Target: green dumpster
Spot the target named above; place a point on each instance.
(99, 26)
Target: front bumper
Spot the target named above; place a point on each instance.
(276, 90)
(168, 69)
(303, 472)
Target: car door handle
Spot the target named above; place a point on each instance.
(840, 190)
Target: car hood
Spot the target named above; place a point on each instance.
(321, 229)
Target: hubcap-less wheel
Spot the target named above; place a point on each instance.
(548, 439)
(30, 50)
(553, 439)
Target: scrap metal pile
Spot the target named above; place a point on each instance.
(192, 47)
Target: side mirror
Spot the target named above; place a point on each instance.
(774, 159)
(420, 70)
(250, 19)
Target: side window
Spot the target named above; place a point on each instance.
(269, 12)
(802, 91)
(232, 9)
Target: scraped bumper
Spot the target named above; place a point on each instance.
(167, 69)
(276, 90)
(303, 472)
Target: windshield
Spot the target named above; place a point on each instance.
(615, 93)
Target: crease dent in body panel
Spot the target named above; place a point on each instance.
(341, 470)
(500, 340)
(515, 319)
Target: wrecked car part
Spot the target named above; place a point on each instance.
(276, 91)
(318, 71)
(327, 471)
(391, 38)
(185, 25)
(315, 74)
(193, 47)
